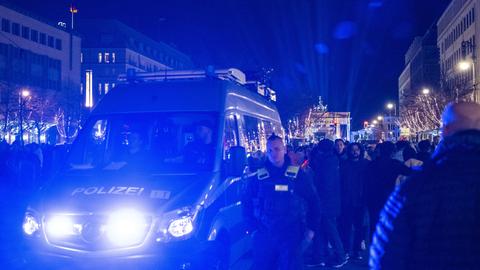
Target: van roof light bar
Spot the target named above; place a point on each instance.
(231, 74)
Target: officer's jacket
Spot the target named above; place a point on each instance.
(277, 198)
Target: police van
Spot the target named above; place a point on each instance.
(154, 176)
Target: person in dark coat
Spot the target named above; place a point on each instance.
(341, 149)
(280, 203)
(353, 210)
(432, 221)
(424, 150)
(380, 181)
(325, 165)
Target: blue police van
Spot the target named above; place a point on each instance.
(154, 176)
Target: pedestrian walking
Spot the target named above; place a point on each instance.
(380, 181)
(353, 206)
(281, 203)
(326, 168)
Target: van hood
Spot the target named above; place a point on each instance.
(103, 192)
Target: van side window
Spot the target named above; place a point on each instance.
(95, 142)
(230, 135)
(269, 130)
(256, 138)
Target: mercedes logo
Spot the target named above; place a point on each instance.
(92, 231)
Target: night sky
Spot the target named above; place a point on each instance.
(349, 52)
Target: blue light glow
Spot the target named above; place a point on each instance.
(345, 30)
(375, 4)
(322, 48)
(126, 227)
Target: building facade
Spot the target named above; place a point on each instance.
(37, 56)
(457, 38)
(422, 69)
(111, 48)
(419, 87)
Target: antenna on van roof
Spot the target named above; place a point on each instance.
(231, 74)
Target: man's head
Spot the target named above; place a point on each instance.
(356, 151)
(135, 142)
(386, 149)
(460, 116)
(276, 150)
(424, 146)
(339, 146)
(203, 132)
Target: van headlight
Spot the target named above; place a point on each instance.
(181, 226)
(60, 226)
(126, 227)
(30, 224)
(176, 225)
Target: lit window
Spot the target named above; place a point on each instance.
(100, 57)
(113, 85)
(88, 89)
(113, 57)
(107, 57)
(100, 88)
(107, 86)
(81, 57)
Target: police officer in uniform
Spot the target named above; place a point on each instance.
(281, 203)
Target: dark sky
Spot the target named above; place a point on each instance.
(351, 52)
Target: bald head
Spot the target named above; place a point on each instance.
(460, 116)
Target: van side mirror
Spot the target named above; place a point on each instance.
(237, 161)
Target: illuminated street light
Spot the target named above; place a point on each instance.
(425, 91)
(22, 98)
(379, 118)
(390, 105)
(25, 93)
(375, 122)
(463, 65)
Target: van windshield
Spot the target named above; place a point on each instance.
(152, 142)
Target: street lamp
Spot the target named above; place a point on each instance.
(22, 97)
(375, 122)
(25, 93)
(465, 65)
(425, 91)
(391, 122)
(379, 118)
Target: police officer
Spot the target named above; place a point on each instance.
(280, 202)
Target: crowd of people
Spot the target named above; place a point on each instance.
(352, 185)
(360, 196)
(24, 167)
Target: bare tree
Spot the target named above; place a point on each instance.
(70, 114)
(8, 106)
(424, 113)
(42, 109)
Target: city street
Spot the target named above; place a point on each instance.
(240, 134)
